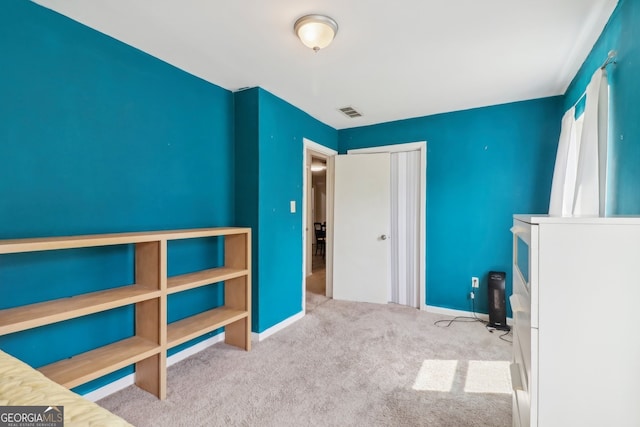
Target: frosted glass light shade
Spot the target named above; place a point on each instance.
(316, 31)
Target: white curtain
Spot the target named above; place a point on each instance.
(564, 173)
(580, 174)
(405, 197)
(591, 177)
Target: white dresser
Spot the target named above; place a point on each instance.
(576, 327)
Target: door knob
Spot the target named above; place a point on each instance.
(383, 237)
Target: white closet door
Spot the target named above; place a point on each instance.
(405, 197)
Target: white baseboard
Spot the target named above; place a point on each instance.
(125, 382)
(190, 351)
(276, 328)
(110, 388)
(452, 312)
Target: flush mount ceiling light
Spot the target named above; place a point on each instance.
(318, 167)
(316, 31)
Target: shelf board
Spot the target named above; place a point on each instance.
(88, 366)
(39, 314)
(192, 327)
(87, 241)
(203, 277)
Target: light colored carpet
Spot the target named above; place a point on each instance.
(316, 282)
(313, 301)
(343, 364)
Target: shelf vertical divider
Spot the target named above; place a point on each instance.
(237, 292)
(151, 315)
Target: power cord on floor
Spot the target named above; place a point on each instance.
(475, 318)
(469, 319)
(502, 337)
(455, 319)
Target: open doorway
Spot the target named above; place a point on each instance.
(317, 281)
(317, 224)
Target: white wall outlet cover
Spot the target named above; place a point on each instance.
(293, 206)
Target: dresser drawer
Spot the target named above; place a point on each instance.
(521, 404)
(523, 370)
(521, 409)
(519, 285)
(522, 329)
(516, 411)
(522, 335)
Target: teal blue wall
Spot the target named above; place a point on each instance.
(98, 137)
(483, 165)
(622, 34)
(247, 166)
(278, 150)
(282, 128)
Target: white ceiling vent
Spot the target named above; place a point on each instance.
(350, 112)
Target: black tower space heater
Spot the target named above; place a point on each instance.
(497, 301)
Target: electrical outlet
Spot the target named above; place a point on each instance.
(475, 282)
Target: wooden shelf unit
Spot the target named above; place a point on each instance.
(204, 277)
(192, 327)
(147, 349)
(44, 313)
(93, 364)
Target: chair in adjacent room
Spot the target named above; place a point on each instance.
(321, 238)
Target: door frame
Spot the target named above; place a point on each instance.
(422, 249)
(309, 149)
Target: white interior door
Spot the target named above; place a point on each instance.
(361, 227)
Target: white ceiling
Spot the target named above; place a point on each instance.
(390, 60)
